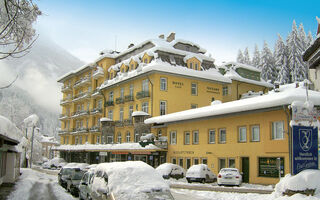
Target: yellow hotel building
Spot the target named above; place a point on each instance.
(105, 103)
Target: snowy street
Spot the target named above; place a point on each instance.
(33, 185)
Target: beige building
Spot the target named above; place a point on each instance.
(47, 144)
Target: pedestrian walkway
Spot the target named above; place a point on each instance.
(5, 190)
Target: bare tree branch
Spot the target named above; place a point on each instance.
(7, 86)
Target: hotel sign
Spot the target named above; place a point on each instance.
(304, 148)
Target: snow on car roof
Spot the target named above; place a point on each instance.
(76, 165)
(197, 167)
(165, 168)
(286, 95)
(131, 179)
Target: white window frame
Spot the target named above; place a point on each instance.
(253, 128)
(128, 137)
(121, 114)
(119, 138)
(240, 133)
(163, 84)
(275, 134)
(145, 107)
(122, 93)
(185, 137)
(225, 91)
(130, 111)
(131, 90)
(111, 96)
(195, 137)
(173, 137)
(210, 133)
(145, 85)
(110, 114)
(163, 107)
(194, 87)
(220, 135)
(98, 139)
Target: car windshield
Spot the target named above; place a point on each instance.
(77, 175)
(67, 171)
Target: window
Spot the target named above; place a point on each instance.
(76, 140)
(187, 138)
(86, 138)
(110, 96)
(204, 161)
(136, 137)
(212, 136)
(196, 66)
(268, 167)
(194, 89)
(109, 139)
(80, 139)
(121, 114)
(132, 67)
(194, 106)
(222, 163)
(110, 114)
(100, 104)
(188, 163)
(222, 135)
(163, 107)
(190, 65)
(232, 163)
(255, 133)
(145, 85)
(195, 137)
(128, 136)
(119, 138)
(173, 137)
(145, 107)
(98, 139)
(67, 140)
(181, 162)
(173, 161)
(145, 60)
(131, 90)
(277, 130)
(159, 133)
(122, 93)
(242, 134)
(130, 111)
(196, 161)
(163, 84)
(225, 90)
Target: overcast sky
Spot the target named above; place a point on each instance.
(222, 27)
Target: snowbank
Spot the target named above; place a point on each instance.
(8, 129)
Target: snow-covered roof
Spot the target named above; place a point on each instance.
(106, 147)
(139, 113)
(235, 76)
(73, 72)
(160, 66)
(236, 65)
(105, 119)
(202, 50)
(286, 95)
(9, 130)
(50, 140)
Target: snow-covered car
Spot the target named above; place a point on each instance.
(128, 180)
(85, 184)
(200, 173)
(169, 170)
(229, 176)
(73, 181)
(66, 172)
(53, 163)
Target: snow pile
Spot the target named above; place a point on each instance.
(139, 113)
(131, 179)
(55, 162)
(307, 179)
(8, 129)
(286, 95)
(105, 119)
(147, 137)
(166, 168)
(32, 120)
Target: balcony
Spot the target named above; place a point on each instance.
(96, 111)
(128, 122)
(79, 130)
(80, 113)
(64, 116)
(109, 103)
(66, 88)
(119, 100)
(98, 73)
(63, 131)
(119, 123)
(142, 94)
(96, 93)
(95, 129)
(65, 101)
(81, 96)
(81, 82)
(128, 98)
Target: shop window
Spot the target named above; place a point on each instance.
(194, 89)
(187, 138)
(163, 84)
(222, 163)
(222, 135)
(195, 137)
(212, 136)
(268, 167)
(173, 137)
(277, 130)
(255, 133)
(242, 134)
(232, 163)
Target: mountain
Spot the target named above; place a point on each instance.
(36, 90)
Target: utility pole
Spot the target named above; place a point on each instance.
(25, 150)
(31, 146)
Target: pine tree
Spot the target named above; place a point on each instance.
(295, 50)
(281, 61)
(246, 57)
(267, 64)
(240, 57)
(309, 39)
(256, 57)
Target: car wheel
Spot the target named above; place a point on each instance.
(219, 184)
(189, 181)
(203, 180)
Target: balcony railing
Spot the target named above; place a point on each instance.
(96, 111)
(109, 103)
(95, 129)
(64, 116)
(128, 98)
(63, 131)
(81, 96)
(119, 100)
(80, 113)
(119, 123)
(66, 88)
(98, 73)
(79, 130)
(128, 122)
(96, 92)
(83, 81)
(142, 94)
(65, 100)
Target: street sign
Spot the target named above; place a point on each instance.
(301, 113)
(304, 148)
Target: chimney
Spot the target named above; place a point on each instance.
(172, 36)
(130, 45)
(318, 19)
(161, 36)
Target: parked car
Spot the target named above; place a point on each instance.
(73, 181)
(67, 171)
(128, 180)
(53, 163)
(229, 176)
(200, 173)
(85, 183)
(169, 170)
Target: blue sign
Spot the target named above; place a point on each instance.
(304, 148)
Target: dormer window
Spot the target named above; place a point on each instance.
(191, 65)
(145, 60)
(196, 66)
(131, 67)
(122, 70)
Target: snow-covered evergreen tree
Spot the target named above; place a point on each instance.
(281, 61)
(268, 72)
(309, 39)
(240, 57)
(246, 57)
(295, 50)
(256, 57)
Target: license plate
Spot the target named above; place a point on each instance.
(228, 177)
